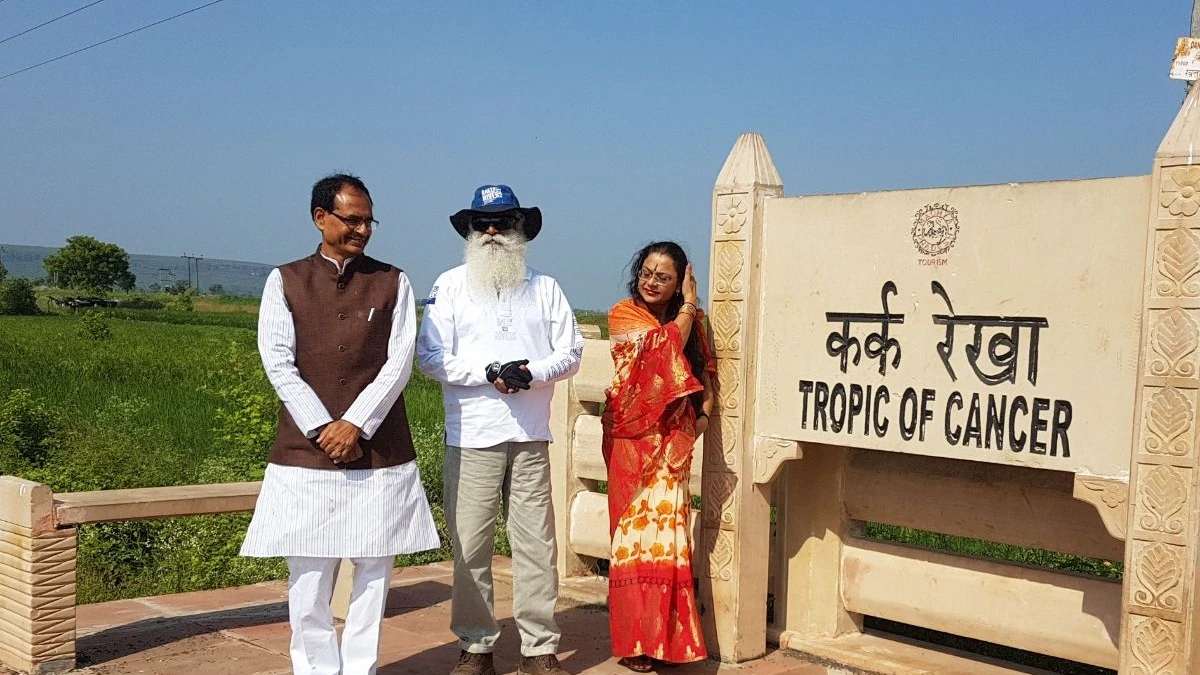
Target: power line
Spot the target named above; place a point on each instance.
(115, 37)
(47, 23)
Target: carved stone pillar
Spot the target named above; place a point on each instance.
(735, 518)
(37, 581)
(1160, 624)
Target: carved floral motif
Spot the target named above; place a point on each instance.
(770, 454)
(718, 495)
(1178, 264)
(731, 213)
(1173, 340)
(1158, 569)
(730, 260)
(1180, 194)
(721, 452)
(721, 557)
(1155, 643)
(728, 377)
(727, 326)
(1162, 494)
(1109, 498)
(1168, 418)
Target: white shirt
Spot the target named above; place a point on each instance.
(460, 336)
(277, 347)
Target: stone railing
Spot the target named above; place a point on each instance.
(38, 551)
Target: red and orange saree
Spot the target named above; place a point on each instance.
(649, 430)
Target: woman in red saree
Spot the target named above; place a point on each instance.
(658, 404)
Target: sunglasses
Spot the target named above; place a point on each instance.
(502, 223)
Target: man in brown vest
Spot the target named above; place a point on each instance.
(336, 333)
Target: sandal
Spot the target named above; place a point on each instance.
(638, 664)
(663, 664)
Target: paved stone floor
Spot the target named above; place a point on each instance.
(244, 630)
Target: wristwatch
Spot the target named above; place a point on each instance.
(493, 371)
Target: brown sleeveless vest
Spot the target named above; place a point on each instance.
(339, 352)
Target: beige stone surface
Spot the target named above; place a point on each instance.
(880, 654)
(733, 559)
(1160, 632)
(1068, 251)
(565, 482)
(73, 508)
(813, 525)
(26, 504)
(1006, 504)
(37, 581)
(1071, 617)
(595, 372)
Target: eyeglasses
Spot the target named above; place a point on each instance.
(355, 222)
(658, 277)
(501, 223)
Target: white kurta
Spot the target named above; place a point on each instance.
(460, 336)
(354, 513)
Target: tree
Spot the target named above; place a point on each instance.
(3, 272)
(17, 297)
(88, 264)
(216, 289)
(178, 287)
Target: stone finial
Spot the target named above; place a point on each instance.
(1180, 140)
(749, 163)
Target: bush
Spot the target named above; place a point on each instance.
(113, 452)
(181, 302)
(28, 427)
(17, 297)
(245, 421)
(93, 326)
(138, 558)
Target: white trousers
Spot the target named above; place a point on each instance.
(314, 645)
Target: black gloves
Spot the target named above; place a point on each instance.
(514, 376)
(511, 373)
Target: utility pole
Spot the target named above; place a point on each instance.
(190, 260)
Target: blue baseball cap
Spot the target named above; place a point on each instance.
(491, 199)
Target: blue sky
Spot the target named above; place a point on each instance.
(205, 134)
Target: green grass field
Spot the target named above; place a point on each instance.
(158, 403)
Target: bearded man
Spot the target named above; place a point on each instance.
(498, 335)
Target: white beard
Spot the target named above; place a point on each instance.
(495, 263)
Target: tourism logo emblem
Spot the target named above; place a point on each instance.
(935, 229)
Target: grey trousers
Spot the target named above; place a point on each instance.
(475, 479)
